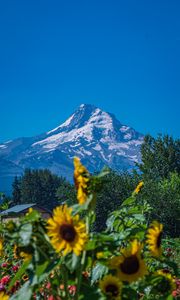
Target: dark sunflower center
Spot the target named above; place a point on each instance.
(164, 286)
(67, 232)
(112, 289)
(130, 265)
(159, 240)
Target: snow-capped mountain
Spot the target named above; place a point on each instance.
(95, 136)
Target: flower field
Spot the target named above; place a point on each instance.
(64, 258)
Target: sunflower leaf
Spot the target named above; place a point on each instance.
(72, 262)
(98, 272)
(24, 293)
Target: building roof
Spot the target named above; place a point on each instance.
(17, 208)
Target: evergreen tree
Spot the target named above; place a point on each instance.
(164, 198)
(66, 193)
(160, 157)
(40, 187)
(116, 188)
(27, 187)
(16, 191)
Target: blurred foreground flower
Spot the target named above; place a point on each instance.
(154, 236)
(111, 286)
(167, 283)
(129, 265)
(81, 179)
(67, 232)
(139, 187)
(3, 296)
(1, 246)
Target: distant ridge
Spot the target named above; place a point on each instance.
(94, 135)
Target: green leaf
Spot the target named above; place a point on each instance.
(128, 201)
(33, 216)
(110, 222)
(41, 268)
(139, 217)
(72, 262)
(25, 234)
(91, 245)
(24, 293)
(105, 171)
(98, 272)
(77, 208)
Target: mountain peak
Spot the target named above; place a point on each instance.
(87, 106)
(90, 128)
(78, 119)
(92, 134)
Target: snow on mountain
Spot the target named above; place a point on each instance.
(96, 136)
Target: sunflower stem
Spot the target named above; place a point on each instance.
(83, 260)
(65, 282)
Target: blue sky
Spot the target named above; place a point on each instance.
(122, 56)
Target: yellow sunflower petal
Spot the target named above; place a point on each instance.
(67, 233)
(154, 236)
(111, 287)
(3, 296)
(81, 179)
(129, 265)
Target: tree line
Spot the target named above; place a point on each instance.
(159, 170)
(43, 188)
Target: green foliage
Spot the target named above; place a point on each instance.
(5, 201)
(40, 187)
(16, 191)
(130, 220)
(66, 192)
(115, 189)
(164, 198)
(78, 277)
(160, 157)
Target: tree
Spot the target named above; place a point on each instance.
(27, 188)
(5, 201)
(16, 194)
(66, 193)
(40, 187)
(2, 197)
(160, 157)
(115, 189)
(164, 198)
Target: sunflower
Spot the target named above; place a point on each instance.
(167, 283)
(111, 286)
(81, 179)
(129, 265)
(139, 187)
(3, 296)
(67, 232)
(154, 236)
(19, 253)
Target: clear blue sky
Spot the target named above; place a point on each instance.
(122, 56)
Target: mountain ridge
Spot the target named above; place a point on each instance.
(94, 135)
